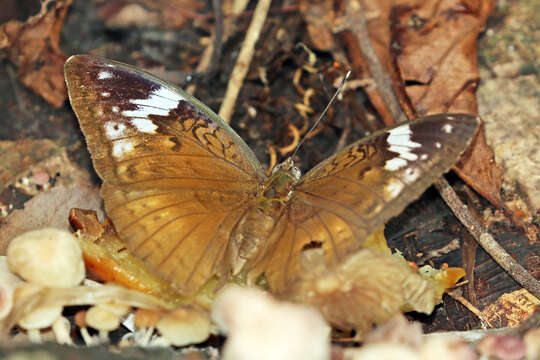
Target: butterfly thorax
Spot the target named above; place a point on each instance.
(278, 189)
(250, 237)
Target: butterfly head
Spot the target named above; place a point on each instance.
(287, 167)
(279, 187)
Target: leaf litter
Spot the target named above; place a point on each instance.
(432, 65)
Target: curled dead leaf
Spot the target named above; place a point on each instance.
(33, 46)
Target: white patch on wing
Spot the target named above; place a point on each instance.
(114, 130)
(115, 109)
(160, 102)
(395, 164)
(144, 125)
(401, 143)
(122, 147)
(424, 157)
(447, 128)
(392, 189)
(105, 94)
(104, 74)
(438, 145)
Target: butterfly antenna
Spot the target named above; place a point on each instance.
(341, 85)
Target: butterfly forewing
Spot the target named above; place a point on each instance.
(352, 193)
(176, 178)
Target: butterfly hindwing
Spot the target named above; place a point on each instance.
(176, 178)
(348, 196)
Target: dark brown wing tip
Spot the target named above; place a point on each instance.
(77, 63)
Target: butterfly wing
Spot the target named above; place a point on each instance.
(348, 196)
(176, 178)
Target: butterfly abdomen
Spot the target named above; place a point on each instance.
(248, 239)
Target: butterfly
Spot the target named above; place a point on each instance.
(192, 201)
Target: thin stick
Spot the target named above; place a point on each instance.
(473, 309)
(212, 53)
(477, 230)
(480, 234)
(244, 59)
(358, 25)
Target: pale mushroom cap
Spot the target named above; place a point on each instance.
(119, 310)
(50, 257)
(101, 318)
(184, 326)
(145, 318)
(260, 327)
(41, 318)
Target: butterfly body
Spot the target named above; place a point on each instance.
(193, 202)
(249, 239)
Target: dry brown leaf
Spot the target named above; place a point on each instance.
(33, 46)
(18, 157)
(48, 209)
(434, 46)
(438, 53)
(479, 169)
(319, 18)
(32, 168)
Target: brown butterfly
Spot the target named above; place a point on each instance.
(191, 199)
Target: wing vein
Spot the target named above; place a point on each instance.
(150, 213)
(178, 243)
(150, 236)
(346, 207)
(359, 184)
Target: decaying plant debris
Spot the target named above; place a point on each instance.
(408, 58)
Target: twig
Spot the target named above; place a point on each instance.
(358, 25)
(222, 32)
(518, 272)
(456, 295)
(384, 86)
(244, 59)
(451, 246)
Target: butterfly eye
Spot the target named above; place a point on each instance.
(277, 168)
